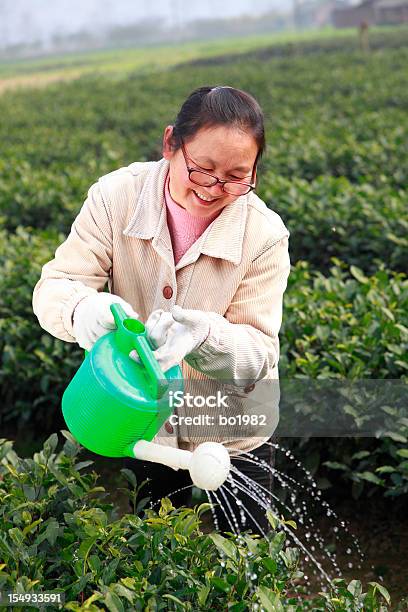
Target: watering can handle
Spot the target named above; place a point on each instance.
(156, 375)
(136, 339)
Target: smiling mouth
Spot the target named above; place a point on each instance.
(203, 197)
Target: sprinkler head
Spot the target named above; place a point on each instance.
(209, 466)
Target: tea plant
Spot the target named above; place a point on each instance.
(363, 225)
(345, 325)
(350, 327)
(58, 535)
(35, 366)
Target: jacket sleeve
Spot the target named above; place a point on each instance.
(81, 267)
(243, 345)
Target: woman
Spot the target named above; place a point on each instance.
(187, 247)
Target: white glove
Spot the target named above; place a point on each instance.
(177, 334)
(157, 326)
(93, 318)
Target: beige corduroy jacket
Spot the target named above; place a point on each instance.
(237, 270)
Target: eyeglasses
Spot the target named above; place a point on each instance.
(204, 179)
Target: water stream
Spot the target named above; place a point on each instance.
(302, 496)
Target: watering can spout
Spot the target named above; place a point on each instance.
(209, 465)
(175, 458)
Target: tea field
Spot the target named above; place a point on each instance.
(336, 170)
(118, 62)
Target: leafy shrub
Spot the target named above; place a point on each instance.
(35, 366)
(56, 531)
(330, 217)
(349, 326)
(345, 325)
(40, 198)
(381, 463)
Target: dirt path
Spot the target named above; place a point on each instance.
(37, 80)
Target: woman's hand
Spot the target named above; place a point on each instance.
(157, 326)
(93, 318)
(176, 334)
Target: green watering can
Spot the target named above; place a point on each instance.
(115, 406)
(113, 402)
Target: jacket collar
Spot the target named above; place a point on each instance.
(222, 239)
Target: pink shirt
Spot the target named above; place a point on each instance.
(184, 228)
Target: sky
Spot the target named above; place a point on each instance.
(26, 21)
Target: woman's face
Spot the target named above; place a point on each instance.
(226, 152)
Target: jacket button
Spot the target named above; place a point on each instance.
(168, 427)
(249, 388)
(167, 292)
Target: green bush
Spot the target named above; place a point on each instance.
(35, 367)
(379, 463)
(345, 324)
(362, 225)
(56, 531)
(40, 198)
(348, 326)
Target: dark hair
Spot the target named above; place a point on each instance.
(220, 105)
